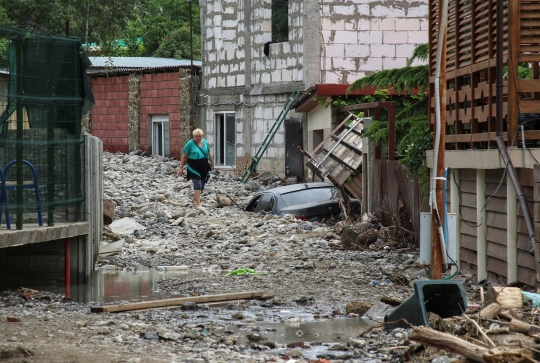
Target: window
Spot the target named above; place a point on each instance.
(160, 135)
(225, 136)
(310, 196)
(280, 21)
(266, 203)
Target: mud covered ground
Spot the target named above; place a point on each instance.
(312, 282)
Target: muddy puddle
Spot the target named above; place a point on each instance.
(315, 338)
(331, 331)
(109, 286)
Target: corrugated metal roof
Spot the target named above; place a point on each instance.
(140, 62)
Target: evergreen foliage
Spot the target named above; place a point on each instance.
(412, 134)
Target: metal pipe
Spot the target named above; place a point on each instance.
(192, 89)
(67, 267)
(521, 196)
(499, 129)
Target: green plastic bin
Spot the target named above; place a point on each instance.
(445, 298)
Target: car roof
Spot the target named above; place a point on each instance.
(295, 187)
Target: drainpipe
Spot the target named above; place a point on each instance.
(499, 129)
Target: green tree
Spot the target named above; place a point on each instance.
(119, 27)
(413, 137)
(177, 45)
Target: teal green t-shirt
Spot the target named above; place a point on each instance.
(195, 152)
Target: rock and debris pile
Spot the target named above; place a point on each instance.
(368, 233)
(311, 275)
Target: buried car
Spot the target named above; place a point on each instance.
(306, 201)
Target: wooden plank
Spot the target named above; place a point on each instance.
(467, 229)
(497, 236)
(529, 106)
(467, 186)
(468, 256)
(468, 214)
(506, 297)
(528, 58)
(528, 85)
(526, 177)
(525, 259)
(176, 301)
(497, 205)
(468, 200)
(496, 250)
(497, 266)
(496, 219)
(467, 174)
(526, 276)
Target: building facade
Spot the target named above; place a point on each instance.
(142, 104)
(255, 53)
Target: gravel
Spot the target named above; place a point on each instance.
(309, 276)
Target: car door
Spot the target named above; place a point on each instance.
(266, 203)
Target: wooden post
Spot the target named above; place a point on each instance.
(513, 49)
(436, 251)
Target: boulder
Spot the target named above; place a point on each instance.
(224, 201)
(357, 307)
(108, 211)
(352, 239)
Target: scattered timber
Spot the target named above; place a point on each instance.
(448, 342)
(177, 301)
(506, 297)
(521, 327)
(490, 311)
(391, 301)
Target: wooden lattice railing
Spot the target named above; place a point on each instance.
(470, 71)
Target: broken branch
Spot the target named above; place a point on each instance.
(448, 342)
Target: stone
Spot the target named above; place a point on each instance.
(338, 347)
(238, 316)
(295, 353)
(357, 307)
(352, 239)
(108, 211)
(189, 306)
(224, 201)
(110, 248)
(150, 336)
(125, 226)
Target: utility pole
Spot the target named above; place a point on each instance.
(192, 88)
(437, 219)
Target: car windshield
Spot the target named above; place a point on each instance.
(310, 196)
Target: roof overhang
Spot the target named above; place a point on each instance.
(323, 91)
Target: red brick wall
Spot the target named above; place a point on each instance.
(110, 113)
(159, 96)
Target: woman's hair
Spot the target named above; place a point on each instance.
(198, 132)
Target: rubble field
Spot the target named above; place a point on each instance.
(304, 271)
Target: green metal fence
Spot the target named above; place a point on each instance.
(44, 92)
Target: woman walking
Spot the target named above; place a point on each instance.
(199, 164)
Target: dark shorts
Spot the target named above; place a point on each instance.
(198, 184)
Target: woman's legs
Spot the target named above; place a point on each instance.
(198, 186)
(197, 198)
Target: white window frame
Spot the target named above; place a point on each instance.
(160, 121)
(218, 140)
